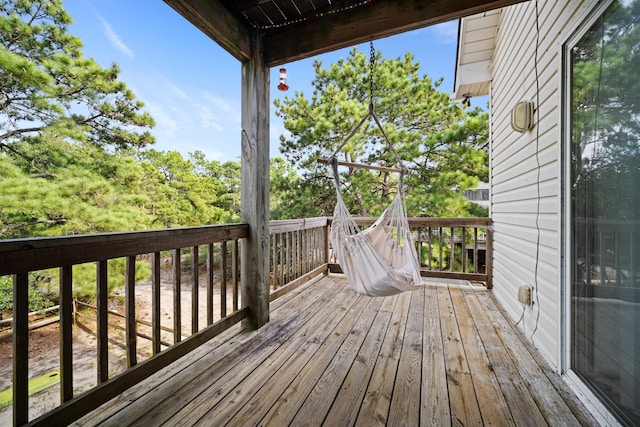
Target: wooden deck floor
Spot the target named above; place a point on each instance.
(445, 355)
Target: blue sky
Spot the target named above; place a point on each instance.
(191, 86)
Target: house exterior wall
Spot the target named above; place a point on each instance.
(526, 168)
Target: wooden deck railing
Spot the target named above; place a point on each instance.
(453, 248)
(21, 257)
(299, 250)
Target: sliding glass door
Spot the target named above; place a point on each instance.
(604, 201)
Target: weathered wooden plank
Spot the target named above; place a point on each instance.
(297, 282)
(214, 390)
(22, 255)
(166, 399)
(20, 349)
(102, 319)
(453, 275)
(493, 407)
(521, 404)
(462, 396)
(256, 395)
(255, 183)
(553, 407)
(226, 345)
(287, 225)
(405, 408)
(92, 399)
(343, 410)
(66, 334)
(334, 366)
(377, 400)
(435, 410)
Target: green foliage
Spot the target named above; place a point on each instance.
(186, 192)
(443, 144)
(606, 116)
(46, 84)
(37, 300)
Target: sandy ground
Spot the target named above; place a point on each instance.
(44, 343)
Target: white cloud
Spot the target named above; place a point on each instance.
(115, 40)
(217, 101)
(447, 32)
(208, 119)
(166, 125)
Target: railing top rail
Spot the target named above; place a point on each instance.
(32, 254)
(286, 225)
(433, 222)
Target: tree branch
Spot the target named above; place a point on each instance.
(4, 146)
(11, 133)
(10, 227)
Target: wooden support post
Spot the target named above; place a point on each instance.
(255, 184)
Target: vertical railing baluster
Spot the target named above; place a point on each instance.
(419, 232)
(440, 244)
(325, 246)
(177, 298)
(195, 289)
(20, 348)
(475, 249)
(66, 333)
(274, 262)
(452, 252)
(234, 273)
(281, 265)
(210, 281)
(223, 280)
(155, 302)
(430, 248)
(288, 263)
(130, 311)
(102, 314)
(464, 249)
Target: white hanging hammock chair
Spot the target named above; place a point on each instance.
(381, 260)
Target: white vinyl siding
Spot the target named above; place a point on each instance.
(514, 167)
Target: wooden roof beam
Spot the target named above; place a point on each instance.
(380, 19)
(213, 19)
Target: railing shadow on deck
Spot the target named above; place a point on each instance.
(299, 251)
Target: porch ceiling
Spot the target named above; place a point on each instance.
(297, 29)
